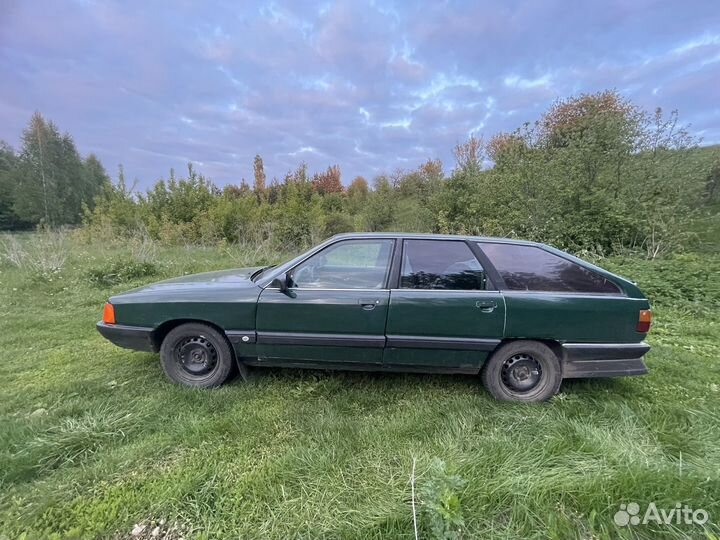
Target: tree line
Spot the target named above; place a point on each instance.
(594, 173)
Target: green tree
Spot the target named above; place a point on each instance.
(94, 179)
(298, 215)
(9, 164)
(380, 206)
(115, 211)
(417, 197)
(177, 208)
(52, 183)
(37, 184)
(357, 194)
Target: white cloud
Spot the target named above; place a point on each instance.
(516, 81)
(303, 150)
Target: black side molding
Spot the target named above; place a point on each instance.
(356, 366)
(138, 338)
(422, 342)
(360, 340)
(338, 340)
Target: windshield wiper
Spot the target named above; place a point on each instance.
(257, 273)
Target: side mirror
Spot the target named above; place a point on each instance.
(282, 283)
(279, 283)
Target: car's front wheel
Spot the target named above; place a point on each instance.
(522, 371)
(195, 354)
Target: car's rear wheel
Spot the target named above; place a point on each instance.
(195, 354)
(522, 371)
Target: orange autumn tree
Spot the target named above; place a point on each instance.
(328, 181)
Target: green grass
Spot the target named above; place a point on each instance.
(94, 440)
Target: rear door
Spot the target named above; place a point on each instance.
(335, 309)
(444, 313)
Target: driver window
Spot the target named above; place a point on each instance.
(349, 264)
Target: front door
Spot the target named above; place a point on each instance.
(334, 310)
(444, 314)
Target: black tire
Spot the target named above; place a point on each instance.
(196, 355)
(522, 371)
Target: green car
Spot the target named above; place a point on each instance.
(522, 315)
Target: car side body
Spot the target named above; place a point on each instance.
(403, 302)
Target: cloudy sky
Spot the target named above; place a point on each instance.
(370, 86)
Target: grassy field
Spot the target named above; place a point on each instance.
(94, 440)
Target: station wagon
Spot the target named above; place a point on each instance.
(521, 315)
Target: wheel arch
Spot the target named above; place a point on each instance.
(158, 335)
(554, 345)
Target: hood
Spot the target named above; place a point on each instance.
(234, 279)
(236, 275)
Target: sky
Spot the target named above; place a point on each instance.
(371, 86)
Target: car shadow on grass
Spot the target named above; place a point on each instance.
(293, 374)
(395, 381)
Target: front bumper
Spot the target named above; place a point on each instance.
(604, 359)
(129, 337)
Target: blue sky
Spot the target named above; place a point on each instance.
(371, 86)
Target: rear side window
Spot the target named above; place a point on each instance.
(440, 264)
(529, 268)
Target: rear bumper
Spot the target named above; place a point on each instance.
(129, 337)
(604, 359)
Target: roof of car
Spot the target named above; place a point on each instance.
(424, 236)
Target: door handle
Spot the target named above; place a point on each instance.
(486, 306)
(369, 305)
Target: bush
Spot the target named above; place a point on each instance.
(121, 271)
(678, 279)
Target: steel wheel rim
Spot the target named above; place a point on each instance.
(521, 373)
(196, 356)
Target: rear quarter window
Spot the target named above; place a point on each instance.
(530, 268)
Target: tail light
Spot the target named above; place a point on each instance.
(109, 313)
(644, 321)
